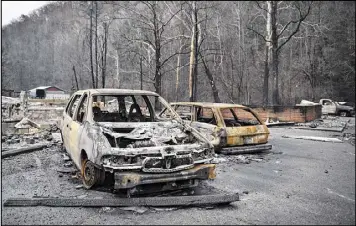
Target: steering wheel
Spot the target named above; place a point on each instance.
(135, 116)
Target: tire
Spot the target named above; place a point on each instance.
(91, 175)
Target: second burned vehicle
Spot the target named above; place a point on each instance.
(115, 135)
(232, 128)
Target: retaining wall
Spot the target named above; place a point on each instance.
(298, 114)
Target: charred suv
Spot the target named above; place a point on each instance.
(115, 135)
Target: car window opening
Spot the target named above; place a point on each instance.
(206, 115)
(234, 117)
(123, 108)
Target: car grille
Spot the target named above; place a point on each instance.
(168, 164)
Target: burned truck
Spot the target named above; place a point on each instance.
(115, 136)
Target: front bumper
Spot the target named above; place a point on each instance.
(130, 180)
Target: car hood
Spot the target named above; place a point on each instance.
(159, 133)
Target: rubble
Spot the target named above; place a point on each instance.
(68, 164)
(66, 157)
(275, 122)
(106, 210)
(326, 123)
(250, 149)
(66, 170)
(79, 186)
(218, 160)
(164, 209)
(26, 123)
(349, 137)
(135, 209)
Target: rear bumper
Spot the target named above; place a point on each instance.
(125, 180)
(246, 149)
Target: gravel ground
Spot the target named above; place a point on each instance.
(298, 182)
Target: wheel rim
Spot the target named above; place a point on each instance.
(88, 173)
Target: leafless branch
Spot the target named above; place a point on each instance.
(250, 28)
(301, 19)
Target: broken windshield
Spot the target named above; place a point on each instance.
(126, 108)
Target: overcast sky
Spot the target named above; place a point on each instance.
(13, 9)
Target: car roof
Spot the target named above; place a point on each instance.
(209, 104)
(116, 91)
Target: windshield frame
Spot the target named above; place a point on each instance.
(146, 97)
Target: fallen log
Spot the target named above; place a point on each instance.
(246, 149)
(120, 202)
(9, 153)
(324, 139)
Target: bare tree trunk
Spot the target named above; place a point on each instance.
(232, 77)
(266, 77)
(272, 7)
(196, 52)
(178, 71)
(75, 77)
(141, 70)
(158, 75)
(117, 69)
(193, 57)
(212, 82)
(103, 75)
(96, 45)
(191, 66)
(91, 45)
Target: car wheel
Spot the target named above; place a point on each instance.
(91, 175)
(343, 113)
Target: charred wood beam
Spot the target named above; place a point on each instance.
(119, 202)
(5, 154)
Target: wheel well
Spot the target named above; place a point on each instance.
(83, 156)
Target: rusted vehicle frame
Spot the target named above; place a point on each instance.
(226, 138)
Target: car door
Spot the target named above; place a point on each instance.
(76, 128)
(328, 107)
(68, 123)
(66, 120)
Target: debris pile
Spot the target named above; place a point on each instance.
(246, 159)
(10, 109)
(350, 137)
(326, 123)
(29, 136)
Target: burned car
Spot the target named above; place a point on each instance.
(231, 128)
(115, 134)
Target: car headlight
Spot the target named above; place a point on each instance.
(120, 160)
